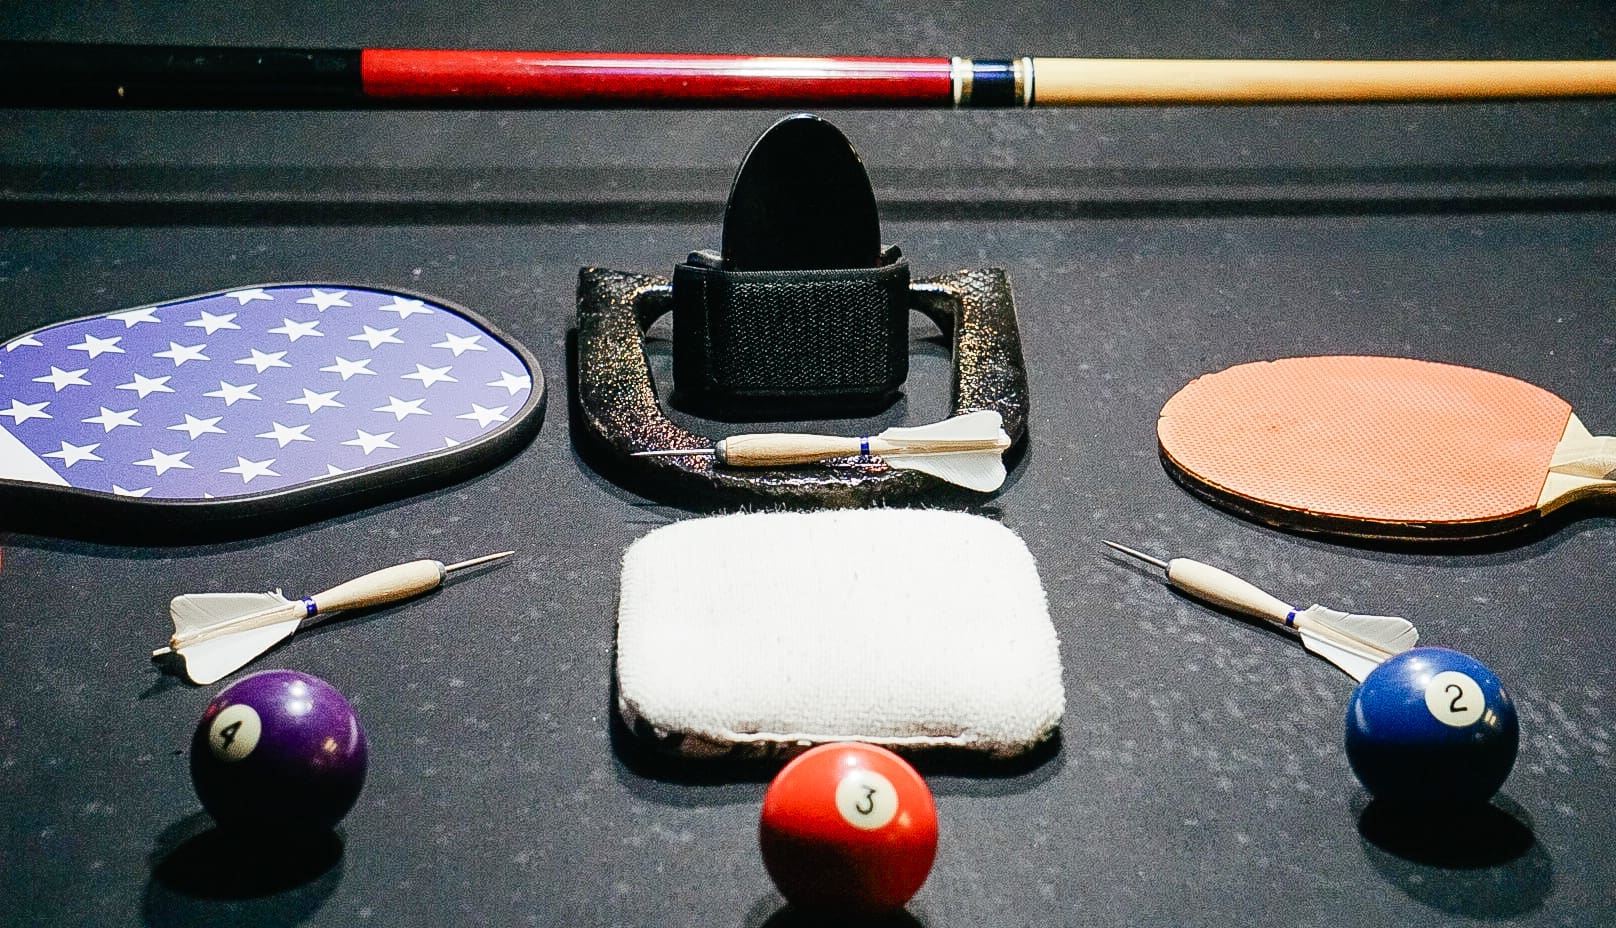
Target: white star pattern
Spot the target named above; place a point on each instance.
(72, 454)
(296, 330)
(401, 409)
(460, 344)
(449, 442)
(120, 491)
(243, 297)
(194, 427)
(163, 463)
(96, 347)
(250, 469)
(285, 435)
(323, 301)
(431, 375)
(109, 420)
(371, 442)
(133, 317)
(509, 382)
(405, 308)
(145, 385)
(332, 470)
(317, 401)
(484, 416)
(262, 362)
(21, 412)
(377, 337)
(210, 323)
(349, 368)
(230, 393)
(182, 353)
(59, 378)
(27, 341)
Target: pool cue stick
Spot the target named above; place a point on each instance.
(54, 74)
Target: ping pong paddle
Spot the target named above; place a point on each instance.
(1389, 448)
(249, 409)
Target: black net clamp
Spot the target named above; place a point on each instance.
(790, 337)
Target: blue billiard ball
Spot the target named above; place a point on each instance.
(279, 751)
(1432, 725)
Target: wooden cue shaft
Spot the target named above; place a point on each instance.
(1099, 81)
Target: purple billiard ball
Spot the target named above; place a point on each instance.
(278, 751)
(1432, 726)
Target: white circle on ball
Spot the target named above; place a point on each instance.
(866, 799)
(234, 732)
(1455, 699)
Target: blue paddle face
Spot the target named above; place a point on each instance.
(253, 391)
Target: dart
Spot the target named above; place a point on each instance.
(967, 450)
(1355, 643)
(216, 634)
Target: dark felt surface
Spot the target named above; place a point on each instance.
(1200, 778)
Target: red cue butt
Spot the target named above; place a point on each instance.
(616, 79)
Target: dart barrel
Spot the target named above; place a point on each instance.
(163, 76)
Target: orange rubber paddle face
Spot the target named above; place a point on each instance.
(1377, 447)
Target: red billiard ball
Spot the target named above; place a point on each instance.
(849, 829)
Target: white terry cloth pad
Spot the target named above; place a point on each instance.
(763, 632)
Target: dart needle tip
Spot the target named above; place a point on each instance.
(1136, 554)
(672, 452)
(478, 561)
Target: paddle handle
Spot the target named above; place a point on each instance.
(380, 587)
(1584, 455)
(1222, 588)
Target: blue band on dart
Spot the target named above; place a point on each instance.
(864, 447)
(1290, 619)
(308, 604)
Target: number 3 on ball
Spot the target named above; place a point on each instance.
(866, 799)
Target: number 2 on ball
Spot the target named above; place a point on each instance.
(1454, 699)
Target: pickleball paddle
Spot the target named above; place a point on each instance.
(1389, 448)
(252, 407)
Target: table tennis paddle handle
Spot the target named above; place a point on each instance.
(1224, 589)
(379, 587)
(1584, 455)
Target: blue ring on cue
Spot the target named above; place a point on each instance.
(309, 606)
(993, 82)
